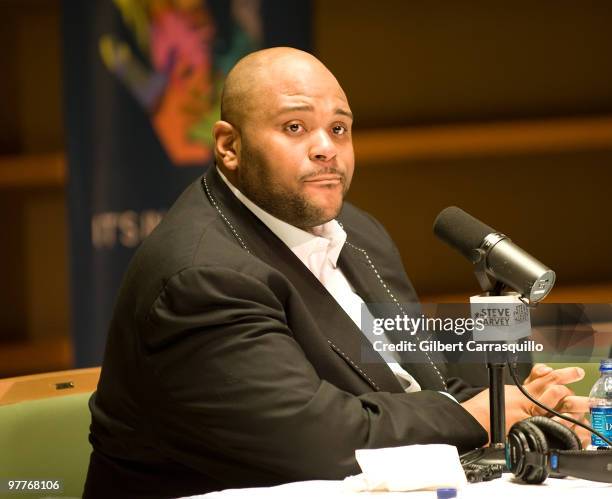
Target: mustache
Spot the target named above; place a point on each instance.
(330, 170)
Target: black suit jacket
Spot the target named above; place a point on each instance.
(228, 364)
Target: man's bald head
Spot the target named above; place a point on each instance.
(249, 81)
(284, 138)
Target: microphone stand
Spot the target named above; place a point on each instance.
(495, 453)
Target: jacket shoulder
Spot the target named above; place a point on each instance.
(190, 235)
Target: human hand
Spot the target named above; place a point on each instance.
(547, 386)
(537, 371)
(550, 384)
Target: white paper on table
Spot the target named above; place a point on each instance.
(412, 467)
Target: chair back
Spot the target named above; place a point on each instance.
(44, 425)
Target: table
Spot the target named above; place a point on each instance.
(502, 488)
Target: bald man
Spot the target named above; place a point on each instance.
(234, 355)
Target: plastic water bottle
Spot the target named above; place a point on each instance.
(600, 404)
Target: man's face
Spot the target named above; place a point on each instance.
(296, 152)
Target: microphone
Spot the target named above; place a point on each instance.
(496, 257)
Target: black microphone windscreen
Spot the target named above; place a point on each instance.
(460, 230)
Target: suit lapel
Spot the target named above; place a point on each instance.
(359, 273)
(363, 274)
(343, 336)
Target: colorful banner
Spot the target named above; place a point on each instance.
(142, 90)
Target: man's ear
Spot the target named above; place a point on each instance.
(227, 144)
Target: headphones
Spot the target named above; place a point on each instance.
(539, 447)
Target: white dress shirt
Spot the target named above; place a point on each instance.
(319, 251)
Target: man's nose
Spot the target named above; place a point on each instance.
(323, 147)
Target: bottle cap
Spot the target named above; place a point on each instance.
(605, 365)
(446, 493)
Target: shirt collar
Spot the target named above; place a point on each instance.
(329, 237)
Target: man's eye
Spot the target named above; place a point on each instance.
(295, 128)
(339, 129)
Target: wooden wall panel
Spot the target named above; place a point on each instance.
(406, 62)
(555, 206)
